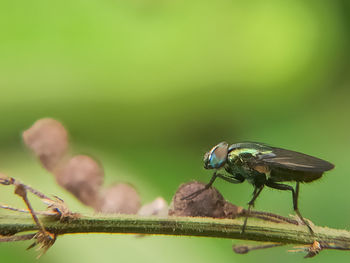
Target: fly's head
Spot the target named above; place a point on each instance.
(216, 157)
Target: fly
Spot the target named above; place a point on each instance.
(263, 165)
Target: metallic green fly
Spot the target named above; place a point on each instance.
(262, 165)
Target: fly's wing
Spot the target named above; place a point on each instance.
(290, 160)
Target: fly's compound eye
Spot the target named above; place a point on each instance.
(216, 157)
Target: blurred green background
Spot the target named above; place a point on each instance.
(147, 86)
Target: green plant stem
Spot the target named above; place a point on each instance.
(257, 230)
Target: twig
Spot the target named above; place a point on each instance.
(273, 228)
(257, 230)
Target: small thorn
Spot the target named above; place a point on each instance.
(312, 250)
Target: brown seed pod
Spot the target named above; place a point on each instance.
(119, 198)
(48, 139)
(82, 176)
(209, 203)
(158, 207)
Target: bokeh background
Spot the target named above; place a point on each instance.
(147, 86)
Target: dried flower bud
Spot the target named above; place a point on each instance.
(82, 176)
(119, 198)
(158, 207)
(48, 139)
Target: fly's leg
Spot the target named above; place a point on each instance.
(257, 191)
(196, 193)
(296, 209)
(295, 194)
(234, 179)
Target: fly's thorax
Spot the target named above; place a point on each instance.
(237, 166)
(243, 156)
(242, 153)
(238, 163)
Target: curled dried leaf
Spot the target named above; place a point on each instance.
(48, 139)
